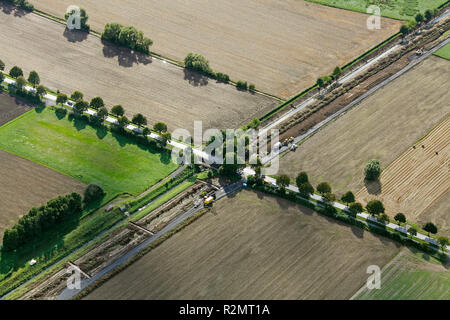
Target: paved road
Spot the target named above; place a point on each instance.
(314, 129)
(67, 294)
(313, 99)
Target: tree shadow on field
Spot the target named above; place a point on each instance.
(196, 79)
(75, 35)
(43, 249)
(77, 122)
(125, 57)
(9, 9)
(373, 187)
(102, 131)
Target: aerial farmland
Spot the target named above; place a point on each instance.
(107, 192)
(300, 40)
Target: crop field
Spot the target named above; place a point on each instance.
(397, 9)
(412, 275)
(11, 107)
(381, 127)
(161, 91)
(254, 245)
(25, 184)
(85, 153)
(444, 52)
(280, 46)
(416, 179)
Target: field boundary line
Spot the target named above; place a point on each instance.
(392, 261)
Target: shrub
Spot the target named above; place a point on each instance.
(372, 170)
(375, 207)
(118, 110)
(323, 187)
(221, 77)
(76, 96)
(2, 65)
(128, 37)
(15, 72)
(160, 127)
(252, 87)
(241, 85)
(197, 63)
(92, 193)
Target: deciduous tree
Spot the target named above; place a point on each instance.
(375, 207)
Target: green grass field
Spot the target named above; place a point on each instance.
(396, 9)
(444, 52)
(86, 153)
(412, 276)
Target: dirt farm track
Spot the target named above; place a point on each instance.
(162, 92)
(281, 46)
(254, 245)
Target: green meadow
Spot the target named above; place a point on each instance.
(396, 9)
(73, 147)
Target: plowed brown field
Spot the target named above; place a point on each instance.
(280, 45)
(25, 184)
(254, 246)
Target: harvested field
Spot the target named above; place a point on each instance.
(415, 180)
(25, 184)
(254, 246)
(381, 127)
(412, 275)
(161, 91)
(12, 107)
(299, 41)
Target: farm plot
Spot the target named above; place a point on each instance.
(11, 107)
(161, 91)
(415, 180)
(444, 52)
(85, 153)
(25, 184)
(397, 9)
(254, 246)
(381, 127)
(411, 275)
(298, 42)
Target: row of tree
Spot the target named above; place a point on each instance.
(39, 220)
(80, 105)
(374, 207)
(98, 104)
(128, 37)
(419, 19)
(198, 63)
